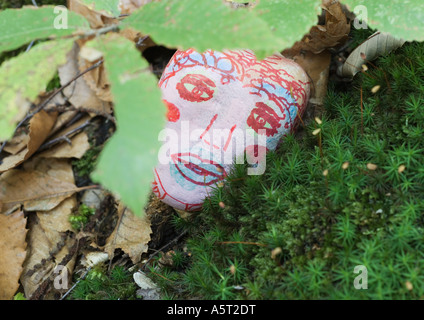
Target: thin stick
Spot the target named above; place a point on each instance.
(243, 242)
(76, 283)
(41, 106)
(165, 246)
(65, 137)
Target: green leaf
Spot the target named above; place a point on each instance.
(20, 26)
(111, 7)
(402, 19)
(289, 20)
(24, 77)
(127, 161)
(204, 24)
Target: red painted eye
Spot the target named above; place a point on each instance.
(173, 114)
(196, 88)
(265, 118)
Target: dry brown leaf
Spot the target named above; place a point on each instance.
(79, 142)
(131, 234)
(312, 54)
(17, 144)
(79, 94)
(13, 252)
(47, 250)
(60, 169)
(317, 66)
(62, 120)
(95, 18)
(97, 78)
(57, 220)
(77, 149)
(376, 45)
(333, 33)
(36, 190)
(39, 128)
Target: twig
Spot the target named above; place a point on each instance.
(98, 32)
(33, 41)
(65, 137)
(243, 242)
(162, 248)
(82, 109)
(41, 106)
(76, 283)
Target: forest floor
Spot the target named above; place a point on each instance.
(345, 190)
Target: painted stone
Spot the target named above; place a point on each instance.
(223, 107)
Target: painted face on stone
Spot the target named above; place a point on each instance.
(222, 105)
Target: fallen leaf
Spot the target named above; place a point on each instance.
(94, 258)
(148, 289)
(62, 120)
(79, 142)
(62, 149)
(312, 54)
(39, 128)
(17, 143)
(376, 45)
(60, 169)
(36, 190)
(97, 78)
(47, 257)
(131, 234)
(57, 219)
(79, 145)
(333, 33)
(97, 19)
(317, 66)
(13, 252)
(79, 94)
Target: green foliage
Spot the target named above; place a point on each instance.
(39, 24)
(19, 296)
(24, 77)
(110, 7)
(204, 24)
(80, 219)
(125, 165)
(289, 20)
(54, 83)
(299, 230)
(399, 18)
(5, 4)
(98, 285)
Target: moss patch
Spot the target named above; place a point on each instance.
(300, 230)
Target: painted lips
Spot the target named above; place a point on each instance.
(203, 172)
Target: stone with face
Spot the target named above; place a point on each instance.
(222, 106)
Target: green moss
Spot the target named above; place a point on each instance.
(98, 285)
(299, 230)
(84, 166)
(79, 219)
(54, 83)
